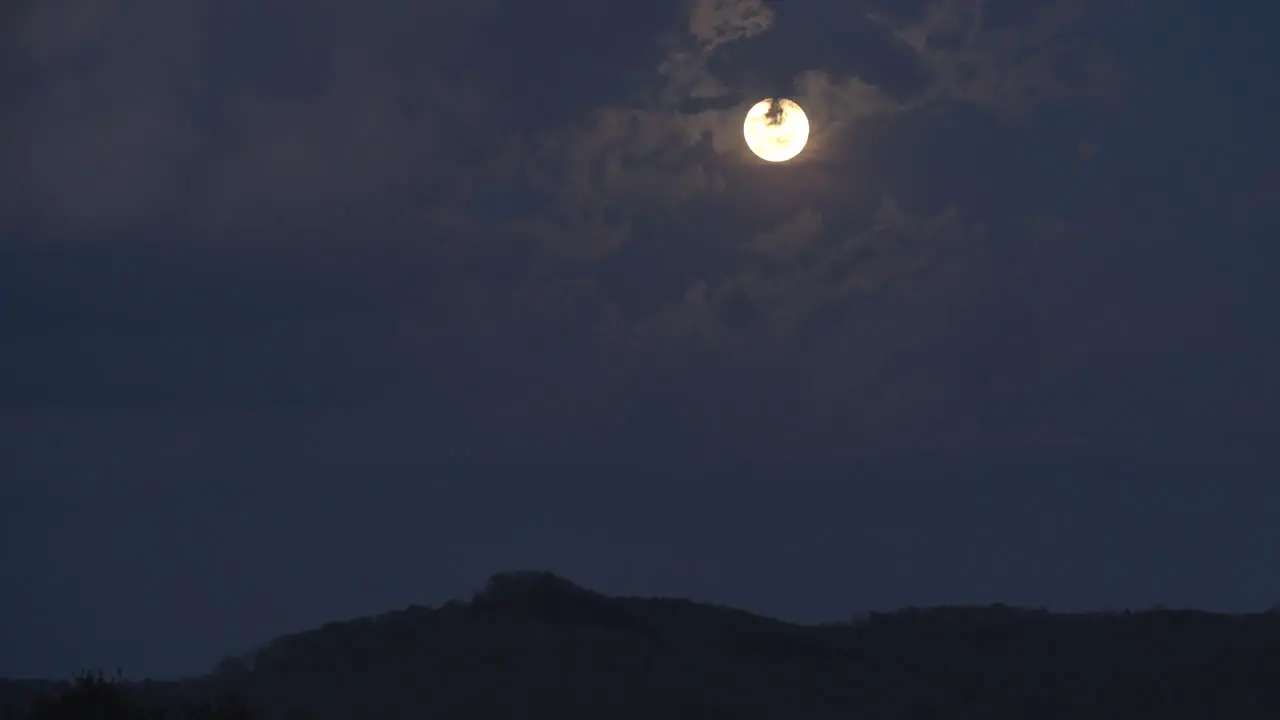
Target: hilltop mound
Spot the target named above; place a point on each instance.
(537, 596)
(533, 644)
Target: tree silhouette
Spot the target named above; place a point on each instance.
(92, 697)
(535, 645)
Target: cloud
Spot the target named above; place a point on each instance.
(1012, 68)
(150, 116)
(710, 24)
(759, 257)
(315, 157)
(48, 32)
(716, 22)
(105, 174)
(790, 238)
(110, 138)
(104, 139)
(802, 270)
(561, 182)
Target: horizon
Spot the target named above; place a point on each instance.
(465, 600)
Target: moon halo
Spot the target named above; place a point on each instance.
(776, 130)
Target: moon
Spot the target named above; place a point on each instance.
(776, 132)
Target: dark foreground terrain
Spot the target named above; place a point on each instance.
(532, 645)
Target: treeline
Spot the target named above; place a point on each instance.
(532, 645)
(91, 696)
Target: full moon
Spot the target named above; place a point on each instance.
(776, 132)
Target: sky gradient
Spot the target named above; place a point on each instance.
(316, 310)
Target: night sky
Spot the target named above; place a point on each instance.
(311, 310)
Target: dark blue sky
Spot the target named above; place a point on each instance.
(312, 310)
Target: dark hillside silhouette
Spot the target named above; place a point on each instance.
(534, 645)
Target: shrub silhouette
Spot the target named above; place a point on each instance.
(90, 696)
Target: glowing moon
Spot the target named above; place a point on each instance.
(776, 134)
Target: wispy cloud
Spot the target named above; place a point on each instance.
(1011, 67)
(574, 186)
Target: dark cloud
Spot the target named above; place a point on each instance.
(440, 188)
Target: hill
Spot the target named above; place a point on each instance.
(535, 645)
